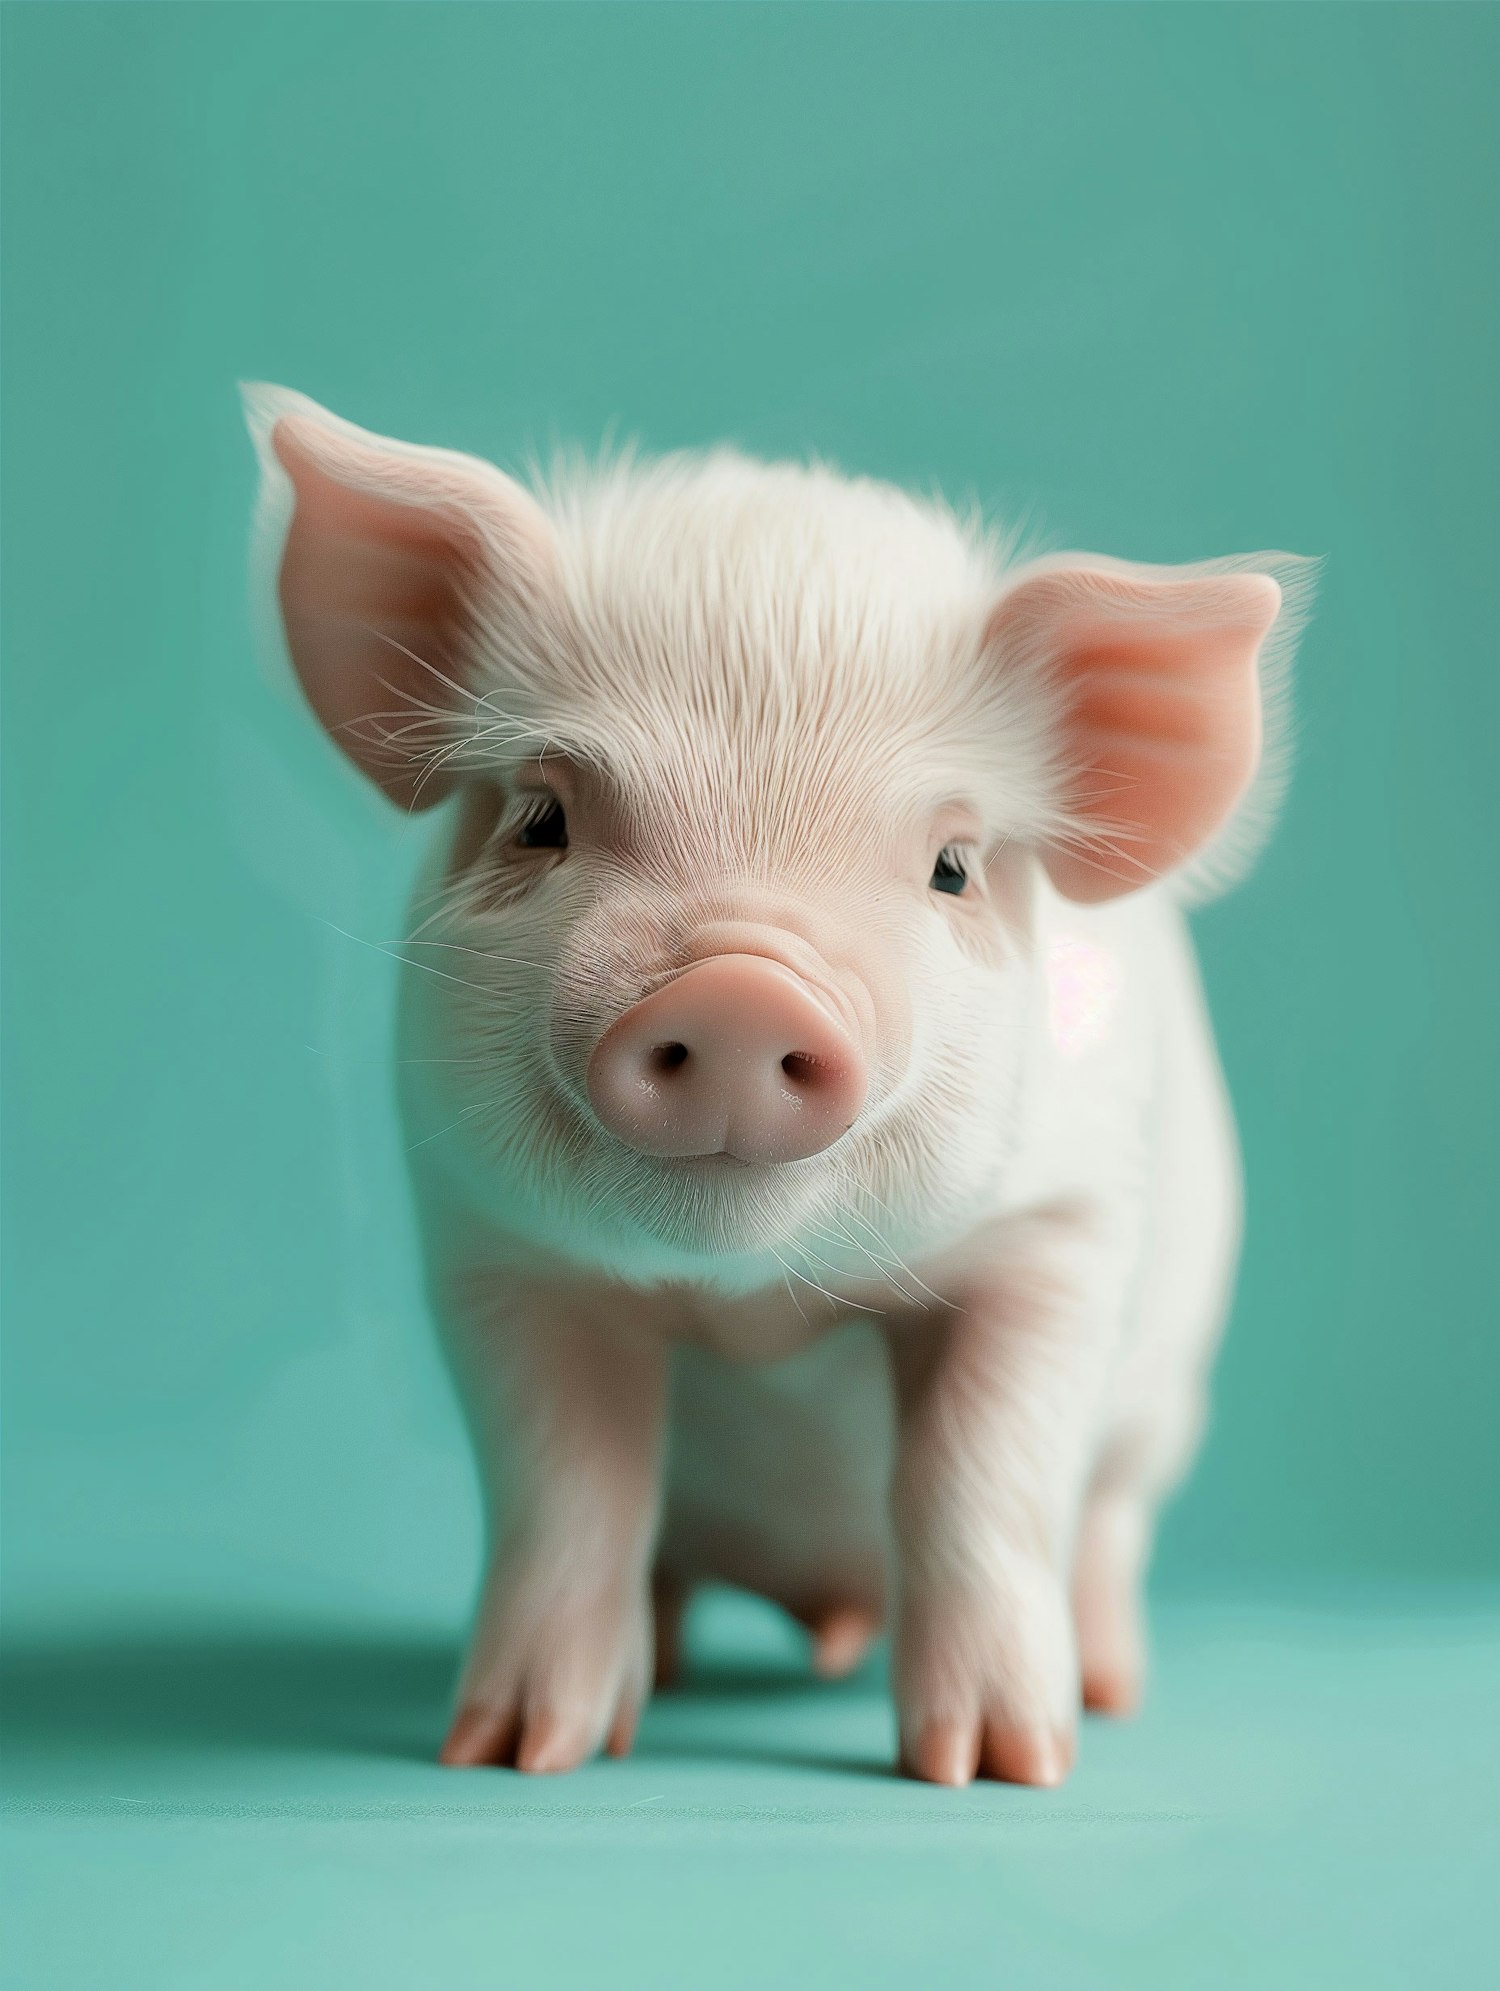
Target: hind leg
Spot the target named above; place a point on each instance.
(670, 1595)
(1158, 1402)
(1143, 1460)
(842, 1634)
(841, 1613)
(1109, 1567)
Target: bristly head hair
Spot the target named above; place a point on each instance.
(779, 625)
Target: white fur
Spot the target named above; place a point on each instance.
(767, 685)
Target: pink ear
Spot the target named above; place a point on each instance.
(1160, 720)
(391, 553)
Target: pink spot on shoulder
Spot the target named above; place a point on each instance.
(1083, 986)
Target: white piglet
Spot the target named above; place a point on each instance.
(825, 1174)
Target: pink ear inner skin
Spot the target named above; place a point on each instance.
(372, 600)
(1163, 710)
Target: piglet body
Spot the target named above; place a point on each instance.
(825, 1175)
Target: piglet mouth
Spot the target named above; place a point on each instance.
(707, 1167)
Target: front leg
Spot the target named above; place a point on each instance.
(998, 1406)
(565, 1395)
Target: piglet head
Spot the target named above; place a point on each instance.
(755, 773)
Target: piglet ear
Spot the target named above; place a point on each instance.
(393, 560)
(1153, 671)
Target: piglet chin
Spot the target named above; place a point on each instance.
(716, 1205)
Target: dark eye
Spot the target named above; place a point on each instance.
(948, 874)
(546, 828)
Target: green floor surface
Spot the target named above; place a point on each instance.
(1310, 1800)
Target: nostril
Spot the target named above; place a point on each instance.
(800, 1068)
(667, 1058)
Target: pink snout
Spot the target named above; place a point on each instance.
(734, 1056)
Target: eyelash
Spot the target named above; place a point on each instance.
(544, 813)
(950, 873)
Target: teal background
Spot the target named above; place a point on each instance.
(1166, 282)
